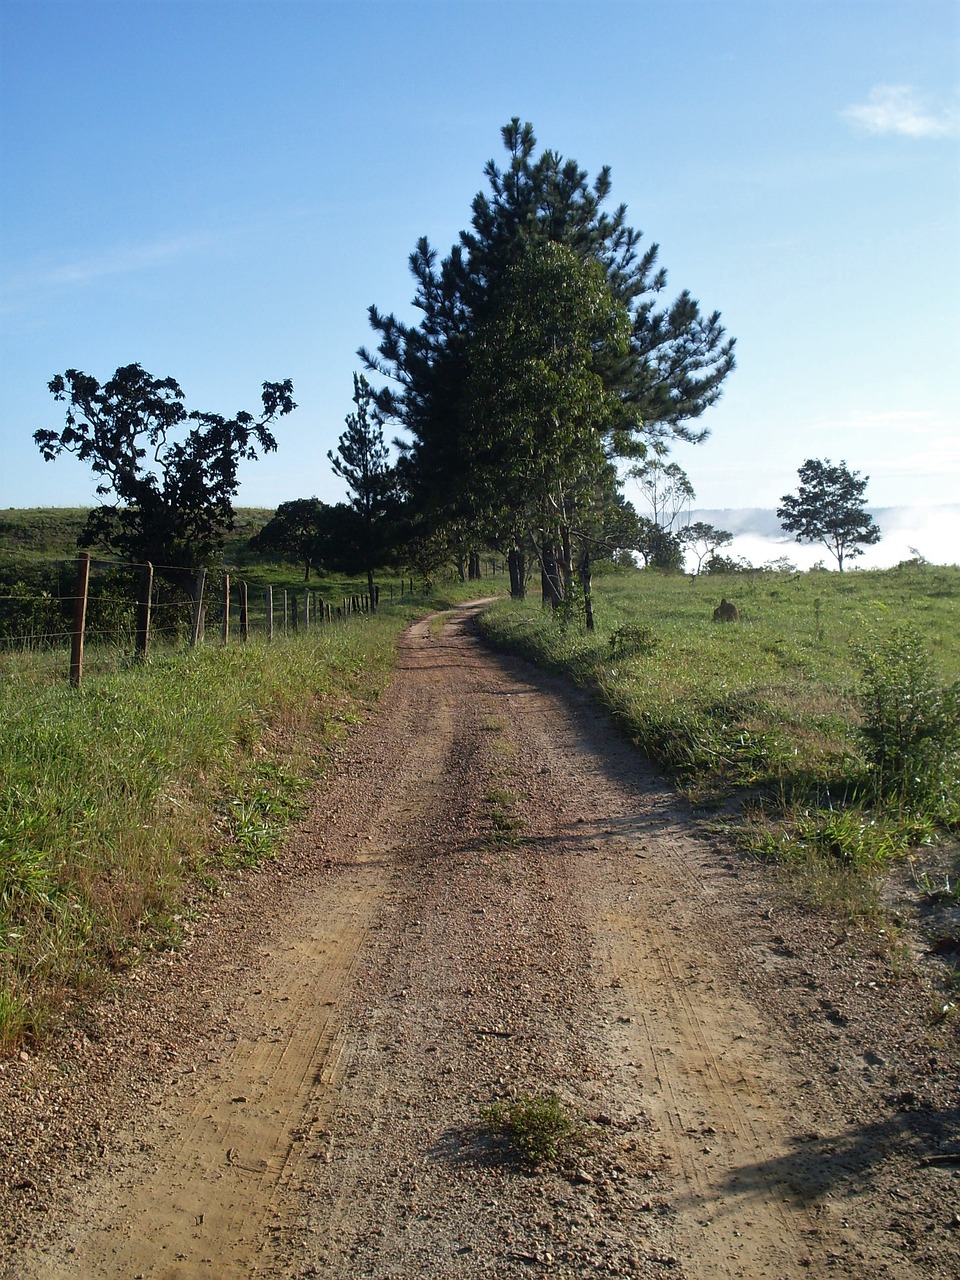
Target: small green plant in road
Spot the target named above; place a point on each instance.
(931, 890)
(503, 817)
(537, 1126)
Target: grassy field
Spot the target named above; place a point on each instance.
(45, 533)
(824, 724)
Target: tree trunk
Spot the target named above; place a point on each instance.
(461, 569)
(567, 564)
(586, 581)
(473, 569)
(550, 584)
(517, 565)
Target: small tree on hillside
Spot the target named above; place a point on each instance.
(362, 460)
(172, 499)
(828, 507)
(294, 533)
(704, 540)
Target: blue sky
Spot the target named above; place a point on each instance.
(218, 189)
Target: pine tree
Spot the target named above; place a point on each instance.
(362, 460)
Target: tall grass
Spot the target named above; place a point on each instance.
(116, 799)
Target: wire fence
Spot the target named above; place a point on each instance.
(104, 610)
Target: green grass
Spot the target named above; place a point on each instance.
(769, 710)
(118, 800)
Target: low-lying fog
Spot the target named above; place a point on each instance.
(931, 532)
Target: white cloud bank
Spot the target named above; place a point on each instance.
(931, 532)
(899, 109)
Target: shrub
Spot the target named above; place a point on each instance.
(911, 725)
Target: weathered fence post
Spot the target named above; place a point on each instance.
(225, 627)
(285, 609)
(306, 609)
(142, 642)
(80, 592)
(269, 613)
(244, 616)
(196, 631)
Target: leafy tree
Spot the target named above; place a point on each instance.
(828, 507)
(362, 460)
(294, 533)
(172, 498)
(704, 540)
(653, 379)
(659, 548)
(667, 488)
(537, 408)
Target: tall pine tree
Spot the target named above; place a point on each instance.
(656, 384)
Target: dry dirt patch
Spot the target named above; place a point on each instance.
(494, 898)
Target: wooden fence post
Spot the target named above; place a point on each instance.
(284, 610)
(269, 613)
(225, 626)
(306, 608)
(80, 592)
(196, 633)
(244, 615)
(142, 643)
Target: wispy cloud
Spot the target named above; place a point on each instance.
(899, 109)
(119, 260)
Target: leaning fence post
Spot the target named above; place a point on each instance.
(196, 633)
(79, 618)
(225, 627)
(142, 642)
(269, 613)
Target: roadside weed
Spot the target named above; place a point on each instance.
(536, 1125)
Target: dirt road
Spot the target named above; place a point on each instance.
(495, 898)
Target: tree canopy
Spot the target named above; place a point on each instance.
(172, 475)
(828, 507)
(294, 532)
